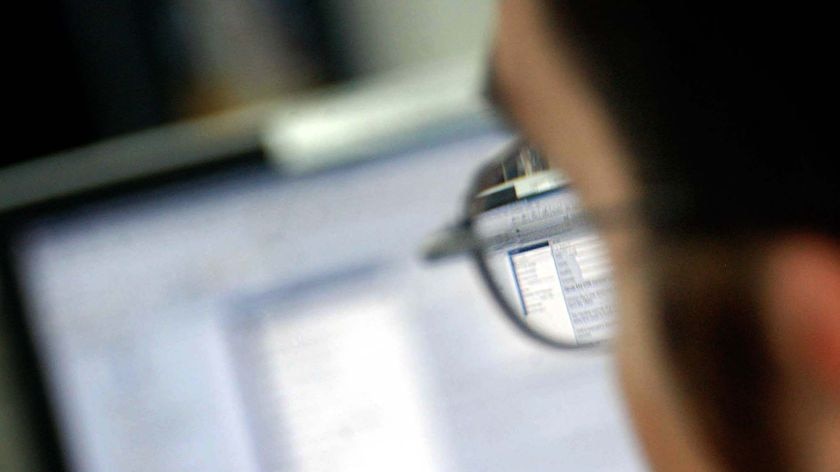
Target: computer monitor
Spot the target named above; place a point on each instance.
(238, 319)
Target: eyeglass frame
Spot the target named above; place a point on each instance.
(461, 238)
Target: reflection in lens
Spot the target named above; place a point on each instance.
(545, 260)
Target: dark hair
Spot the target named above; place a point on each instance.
(714, 336)
(725, 106)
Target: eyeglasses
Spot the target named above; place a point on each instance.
(539, 253)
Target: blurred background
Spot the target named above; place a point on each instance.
(86, 70)
(83, 71)
(271, 312)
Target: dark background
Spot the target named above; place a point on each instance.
(85, 70)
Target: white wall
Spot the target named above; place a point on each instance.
(379, 35)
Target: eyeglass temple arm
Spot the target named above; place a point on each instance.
(450, 241)
(460, 238)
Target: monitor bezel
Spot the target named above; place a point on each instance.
(28, 367)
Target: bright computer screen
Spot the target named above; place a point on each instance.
(252, 323)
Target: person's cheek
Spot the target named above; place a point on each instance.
(661, 425)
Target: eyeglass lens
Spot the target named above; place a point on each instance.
(545, 261)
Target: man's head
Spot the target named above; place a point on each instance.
(711, 119)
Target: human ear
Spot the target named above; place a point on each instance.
(801, 297)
